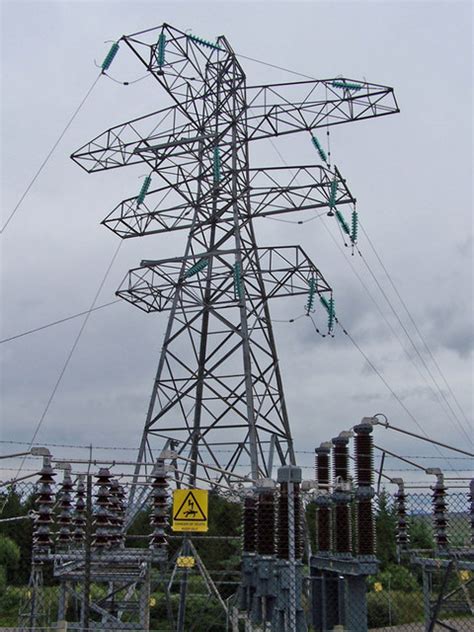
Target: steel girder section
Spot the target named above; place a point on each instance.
(273, 191)
(285, 271)
(285, 108)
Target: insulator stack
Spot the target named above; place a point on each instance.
(266, 522)
(45, 501)
(102, 516)
(364, 455)
(342, 497)
(159, 514)
(440, 513)
(283, 550)
(160, 52)
(402, 535)
(216, 166)
(471, 498)
(80, 512)
(299, 540)
(110, 57)
(249, 541)
(115, 513)
(323, 500)
(364, 458)
(120, 495)
(144, 190)
(65, 506)
(341, 459)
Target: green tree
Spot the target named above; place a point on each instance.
(9, 558)
(21, 532)
(385, 524)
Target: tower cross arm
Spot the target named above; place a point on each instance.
(285, 271)
(286, 108)
(278, 190)
(150, 138)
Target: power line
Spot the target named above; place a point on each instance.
(425, 344)
(380, 311)
(58, 322)
(49, 154)
(71, 352)
(454, 416)
(389, 388)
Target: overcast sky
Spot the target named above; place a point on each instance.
(411, 174)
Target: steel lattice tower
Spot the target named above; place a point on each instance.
(218, 386)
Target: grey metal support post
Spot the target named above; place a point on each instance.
(182, 591)
(288, 611)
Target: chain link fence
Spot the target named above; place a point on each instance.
(420, 579)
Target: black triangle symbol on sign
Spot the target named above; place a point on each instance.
(190, 510)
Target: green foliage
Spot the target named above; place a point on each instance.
(3, 580)
(20, 532)
(9, 558)
(389, 608)
(421, 534)
(385, 524)
(10, 602)
(396, 577)
(9, 553)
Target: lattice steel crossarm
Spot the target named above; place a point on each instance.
(273, 191)
(285, 271)
(286, 108)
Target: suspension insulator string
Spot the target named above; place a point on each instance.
(309, 307)
(143, 190)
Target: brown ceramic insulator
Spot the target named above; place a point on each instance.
(266, 523)
(341, 458)
(249, 540)
(282, 523)
(159, 513)
(402, 525)
(299, 543)
(322, 468)
(365, 528)
(45, 495)
(44, 500)
(364, 459)
(440, 515)
(323, 529)
(342, 532)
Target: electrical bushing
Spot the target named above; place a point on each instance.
(44, 501)
(323, 500)
(402, 535)
(440, 517)
(79, 519)
(365, 523)
(342, 496)
(264, 577)
(65, 513)
(159, 514)
(102, 521)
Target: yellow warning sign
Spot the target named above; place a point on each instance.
(190, 510)
(185, 561)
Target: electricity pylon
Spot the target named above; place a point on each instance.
(217, 397)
